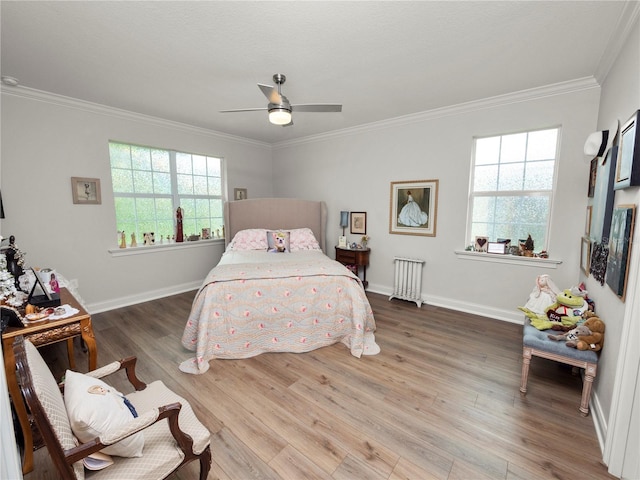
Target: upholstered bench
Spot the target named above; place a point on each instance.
(536, 343)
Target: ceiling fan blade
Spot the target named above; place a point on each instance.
(243, 110)
(317, 107)
(271, 93)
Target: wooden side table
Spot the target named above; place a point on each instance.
(45, 333)
(358, 257)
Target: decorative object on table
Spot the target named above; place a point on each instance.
(15, 259)
(179, 230)
(620, 248)
(344, 223)
(481, 244)
(134, 243)
(497, 248)
(40, 296)
(193, 238)
(364, 241)
(86, 190)
(413, 208)
(9, 293)
(239, 193)
(206, 233)
(358, 223)
(526, 246)
(123, 240)
(628, 166)
(602, 204)
(149, 238)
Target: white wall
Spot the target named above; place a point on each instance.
(353, 170)
(46, 140)
(618, 374)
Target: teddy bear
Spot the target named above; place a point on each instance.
(571, 337)
(595, 339)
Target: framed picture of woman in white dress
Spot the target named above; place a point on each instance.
(413, 208)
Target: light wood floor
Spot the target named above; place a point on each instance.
(441, 401)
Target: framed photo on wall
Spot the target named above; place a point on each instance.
(86, 190)
(620, 248)
(239, 193)
(628, 168)
(585, 255)
(593, 172)
(359, 223)
(414, 206)
(602, 204)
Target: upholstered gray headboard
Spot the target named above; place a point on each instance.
(274, 213)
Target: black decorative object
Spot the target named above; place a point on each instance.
(599, 255)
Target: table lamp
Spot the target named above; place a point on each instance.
(344, 222)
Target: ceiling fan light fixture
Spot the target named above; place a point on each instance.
(280, 116)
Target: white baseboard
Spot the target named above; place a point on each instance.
(511, 316)
(142, 297)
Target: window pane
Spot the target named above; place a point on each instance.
(514, 200)
(511, 176)
(542, 145)
(141, 158)
(485, 178)
(142, 181)
(513, 148)
(185, 185)
(213, 166)
(120, 155)
(487, 150)
(215, 185)
(199, 165)
(183, 163)
(148, 181)
(160, 161)
(539, 175)
(200, 186)
(122, 180)
(161, 183)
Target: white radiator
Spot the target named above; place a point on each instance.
(408, 280)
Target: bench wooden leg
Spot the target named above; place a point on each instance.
(589, 375)
(526, 360)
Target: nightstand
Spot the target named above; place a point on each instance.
(358, 257)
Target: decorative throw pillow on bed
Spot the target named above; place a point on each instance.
(303, 239)
(250, 239)
(94, 407)
(278, 241)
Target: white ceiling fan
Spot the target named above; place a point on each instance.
(279, 107)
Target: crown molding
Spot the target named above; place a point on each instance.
(561, 88)
(626, 23)
(69, 102)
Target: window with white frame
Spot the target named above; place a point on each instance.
(512, 187)
(150, 184)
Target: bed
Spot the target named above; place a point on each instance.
(275, 289)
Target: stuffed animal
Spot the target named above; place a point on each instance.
(567, 305)
(595, 339)
(544, 294)
(571, 337)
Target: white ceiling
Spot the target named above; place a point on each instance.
(185, 61)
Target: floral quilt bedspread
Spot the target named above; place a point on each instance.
(279, 303)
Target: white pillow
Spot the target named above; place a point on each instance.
(91, 414)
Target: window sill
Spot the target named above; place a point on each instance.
(162, 247)
(511, 259)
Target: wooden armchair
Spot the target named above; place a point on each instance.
(167, 444)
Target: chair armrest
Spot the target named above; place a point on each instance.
(127, 364)
(170, 412)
